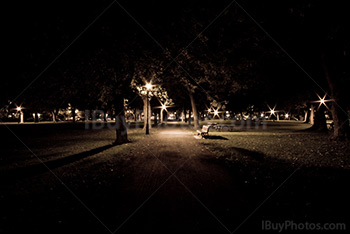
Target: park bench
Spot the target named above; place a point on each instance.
(205, 130)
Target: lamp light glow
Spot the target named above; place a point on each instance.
(148, 86)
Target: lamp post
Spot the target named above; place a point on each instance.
(19, 109)
(148, 88)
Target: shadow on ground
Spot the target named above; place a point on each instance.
(215, 138)
(252, 154)
(44, 167)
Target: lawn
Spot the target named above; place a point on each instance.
(284, 141)
(38, 143)
(287, 170)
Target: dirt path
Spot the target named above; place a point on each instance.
(176, 185)
(169, 183)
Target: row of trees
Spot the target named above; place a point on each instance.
(195, 60)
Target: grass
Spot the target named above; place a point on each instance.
(260, 159)
(57, 141)
(289, 173)
(285, 142)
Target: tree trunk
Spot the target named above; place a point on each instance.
(36, 117)
(146, 103)
(73, 114)
(155, 117)
(53, 116)
(104, 115)
(312, 114)
(339, 115)
(320, 123)
(195, 112)
(306, 116)
(121, 128)
(161, 116)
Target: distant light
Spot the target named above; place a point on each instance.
(272, 111)
(209, 110)
(262, 115)
(216, 112)
(227, 112)
(322, 101)
(148, 86)
(286, 115)
(19, 108)
(163, 107)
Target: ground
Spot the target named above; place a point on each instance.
(169, 181)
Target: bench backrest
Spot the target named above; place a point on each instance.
(205, 128)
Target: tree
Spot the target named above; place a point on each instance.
(328, 27)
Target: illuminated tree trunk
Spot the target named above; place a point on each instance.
(161, 116)
(146, 103)
(121, 128)
(312, 114)
(53, 116)
(306, 116)
(195, 112)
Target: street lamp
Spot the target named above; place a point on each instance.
(148, 88)
(19, 109)
(322, 101)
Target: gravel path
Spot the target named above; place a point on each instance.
(166, 182)
(175, 185)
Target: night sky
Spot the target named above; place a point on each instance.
(282, 40)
